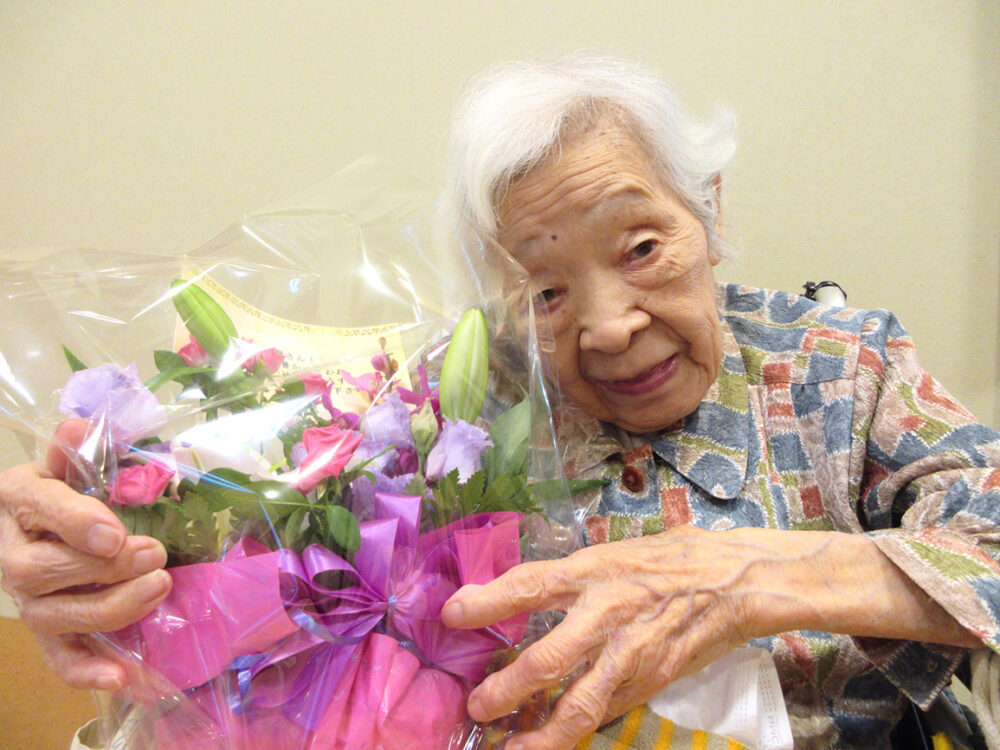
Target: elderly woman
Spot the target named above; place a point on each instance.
(781, 473)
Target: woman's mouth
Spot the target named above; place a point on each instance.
(646, 381)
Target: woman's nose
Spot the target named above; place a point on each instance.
(608, 317)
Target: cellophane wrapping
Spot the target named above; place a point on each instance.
(292, 411)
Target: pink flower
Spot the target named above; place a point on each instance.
(370, 384)
(327, 450)
(139, 485)
(194, 355)
(382, 363)
(270, 358)
(315, 384)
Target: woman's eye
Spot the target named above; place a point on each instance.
(643, 249)
(546, 296)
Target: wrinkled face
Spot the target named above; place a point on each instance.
(625, 275)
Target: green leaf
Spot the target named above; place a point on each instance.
(291, 389)
(447, 490)
(203, 317)
(471, 492)
(465, 369)
(279, 498)
(499, 493)
(164, 359)
(224, 477)
(176, 373)
(417, 486)
(344, 528)
(75, 364)
(138, 519)
(294, 530)
(510, 436)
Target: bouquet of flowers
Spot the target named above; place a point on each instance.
(321, 490)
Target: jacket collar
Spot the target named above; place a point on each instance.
(709, 447)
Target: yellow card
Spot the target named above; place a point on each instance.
(324, 350)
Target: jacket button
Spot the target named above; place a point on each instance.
(632, 479)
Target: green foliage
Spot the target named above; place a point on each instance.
(75, 364)
(510, 435)
(344, 528)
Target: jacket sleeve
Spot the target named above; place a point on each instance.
(927, 486)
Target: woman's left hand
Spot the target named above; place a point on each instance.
(639, 614)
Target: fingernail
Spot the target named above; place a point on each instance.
(104, 539)
(453, 612)
(154, 585)
(109, 681)
(148, 559)
(475, 706)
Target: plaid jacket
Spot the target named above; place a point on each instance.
(822, 419)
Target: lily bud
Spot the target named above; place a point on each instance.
(424, 426)
(465, 368)
(203, 317)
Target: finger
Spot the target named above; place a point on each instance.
(627, 697)
(578, 713)
(46, 566)
(542, 665)
(41, 504)
(69, 436)
(78, 666)
(105, 609)
(529, 587)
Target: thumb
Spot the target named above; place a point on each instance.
(69, 436)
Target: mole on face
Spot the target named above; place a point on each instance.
(554, 237)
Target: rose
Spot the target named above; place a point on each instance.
(139, 485)
(327, 450)
(270, 357)
(194, 355)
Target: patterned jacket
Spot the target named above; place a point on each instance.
(822, 419)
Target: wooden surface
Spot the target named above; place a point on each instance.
(37, 710)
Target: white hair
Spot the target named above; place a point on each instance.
(517, 114)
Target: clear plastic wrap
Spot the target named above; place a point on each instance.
(292, 411)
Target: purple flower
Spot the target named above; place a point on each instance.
(423, 393)
(459, 446)
(363, 492)
(117, 395)
(382, 453)
(389, 422)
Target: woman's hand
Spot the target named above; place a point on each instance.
(639, 614)
(71, 567)
(642, 612)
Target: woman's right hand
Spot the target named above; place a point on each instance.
(71, 567)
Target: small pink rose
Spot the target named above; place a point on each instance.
(194, 355)
(139, 485)
(271, 358)
(327, 450)
(315, 384)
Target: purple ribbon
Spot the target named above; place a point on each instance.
(292, 640)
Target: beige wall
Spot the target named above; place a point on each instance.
(869, 150)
